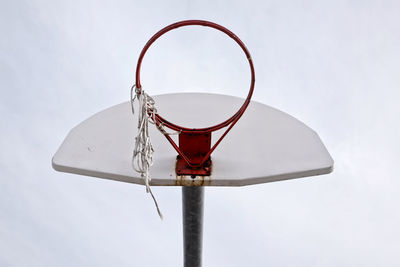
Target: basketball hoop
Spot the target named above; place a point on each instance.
(194, 149)
(101, 146)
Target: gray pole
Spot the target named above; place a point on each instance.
(192, 212)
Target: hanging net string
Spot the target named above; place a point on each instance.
(142, 157)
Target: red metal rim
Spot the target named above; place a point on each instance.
(241, 110)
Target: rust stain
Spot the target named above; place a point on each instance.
(191, 180)
(185, 180)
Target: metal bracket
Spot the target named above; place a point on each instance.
(195, 147)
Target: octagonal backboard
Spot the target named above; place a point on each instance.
(265, 145)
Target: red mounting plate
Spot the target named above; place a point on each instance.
(195, 146)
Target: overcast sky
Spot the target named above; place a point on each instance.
(332, 64)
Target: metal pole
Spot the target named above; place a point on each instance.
(192, 209)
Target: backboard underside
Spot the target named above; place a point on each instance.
(265, 145)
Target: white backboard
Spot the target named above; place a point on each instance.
(265, 145)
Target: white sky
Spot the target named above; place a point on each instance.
(335, 66)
